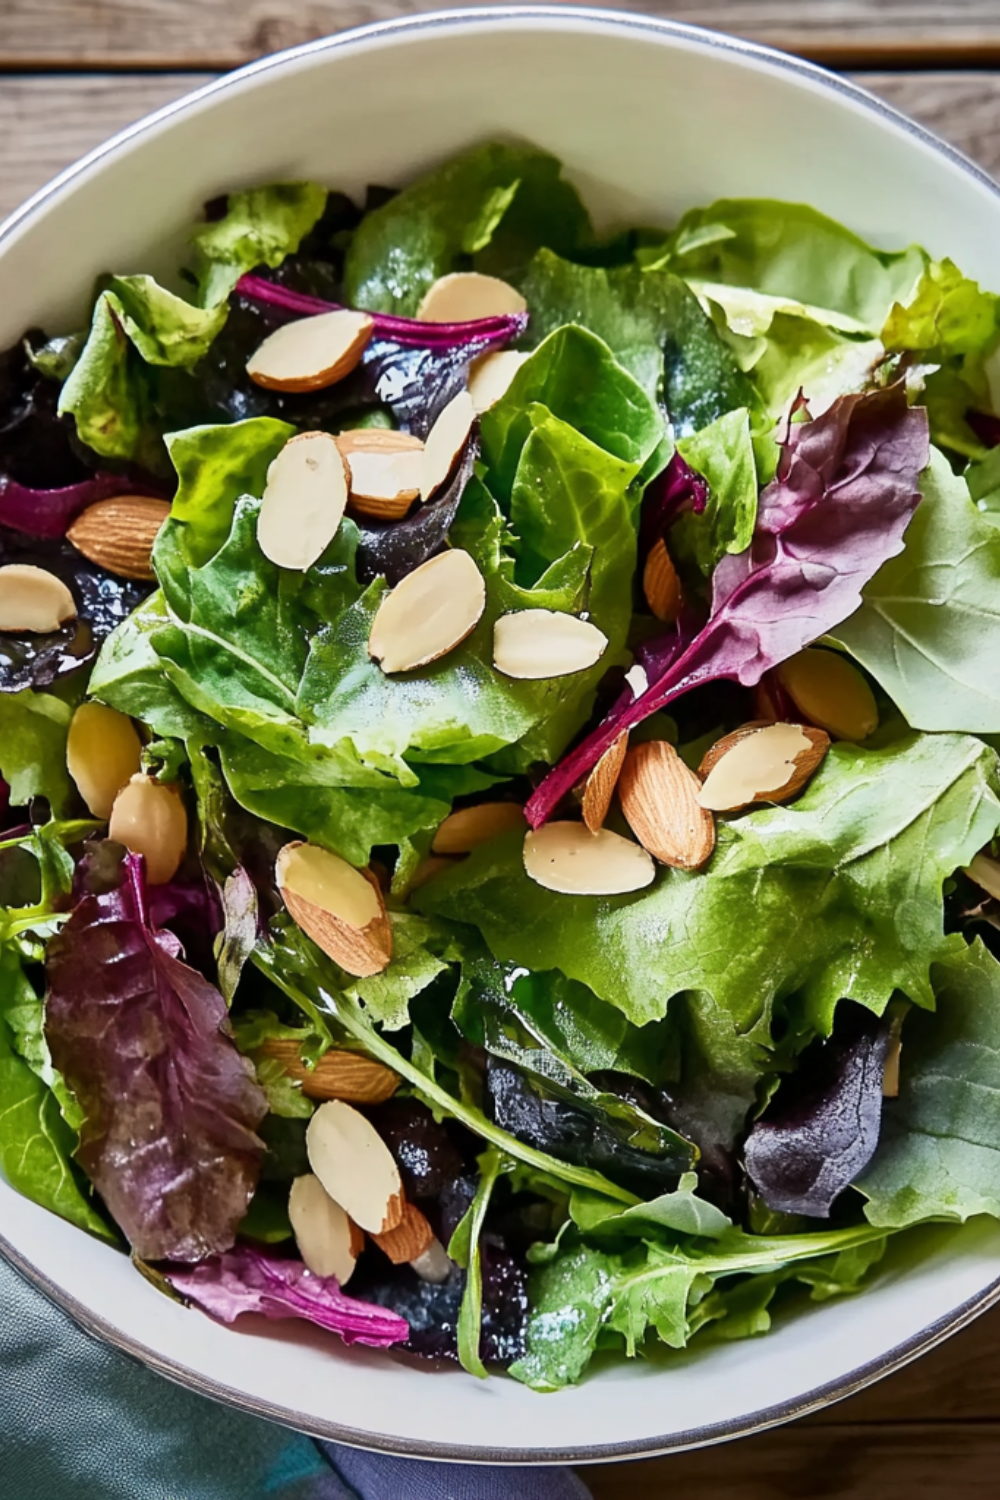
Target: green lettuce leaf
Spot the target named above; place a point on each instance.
(723, 454)
(33, 729)
(251, 1031)
(215, 466)
(939, 1153)
(492, 207)
(837, 895)
(130, 676)
(929, 628)
(259, 228)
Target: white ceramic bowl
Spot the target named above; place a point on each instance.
(650, 118)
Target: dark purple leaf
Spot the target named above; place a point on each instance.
(397, 548)
(822, 1127)
(671, 493)
(427, 1157)
(103, 601)
(846, 488)
(38, 448)
(170, 1107)
(246, 1280)
(48, 513)
(985, 425)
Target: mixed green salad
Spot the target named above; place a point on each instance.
(499, 733)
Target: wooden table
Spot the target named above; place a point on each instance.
(74, 71)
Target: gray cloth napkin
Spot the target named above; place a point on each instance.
(78, 1419)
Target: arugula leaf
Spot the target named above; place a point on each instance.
(929, 627)
(215, 465)
(678, 1212)
(464, 1248)
(938, 1157)
(33, 728)
(259, 228)
(837, 895)
(497, 203)
(722, 453)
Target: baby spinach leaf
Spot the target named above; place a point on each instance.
(33, 728)
(722, 453)
(259, 228)
(929, 627)
(938, 1156)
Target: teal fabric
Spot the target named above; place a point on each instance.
(79, 1421)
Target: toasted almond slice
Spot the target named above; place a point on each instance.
(411, 1238)
(33, 599)
(149, 818)
(465, 830)
(118, 534)
(660, 583)
(339, 907)
(311, 352)
(337, 1075)
(329, 1242)
(760, 763)
(304, 500)
(830, 692)
(429, 613)
(985, 872)
(377, 440)
(103, 752)
(465, 296)
(445, 442)
(490, 375)
(433, 1265)
(384, 485)
(659, 797)
(599, 787)
(429, 869)
(537, 643)
(568, 858)
(355, 1166)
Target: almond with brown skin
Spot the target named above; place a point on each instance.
(760, 763)
(599, 787)
(466, 829)
(342, 909)
(337, 1075)
(385, 468)
(313, 352)
(355, 1166)
(659, 797)
(660, 583)
(118, 534)
(409, 1240)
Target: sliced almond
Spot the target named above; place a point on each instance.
(385, 469)
(490, 375)
(532, 644)
(429, 613)
(465, 296)
(445, 443)
(830, 692)
(329, 1242)
(33, 599)
(465, 830)
(355, 1166)
(760, 763)
(304, 500)
(985, 872)
(337, 1075)
(118, 534)
(429, 869)
(599, 787)
(568, 858)
(411, 1238)
(311, 353)
(659, 797)
(660, 583)
(103, 752)
(339, 907)
(149, 818)
(890, 1068)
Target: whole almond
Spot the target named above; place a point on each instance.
(118, 534)
(659, 797)
(985, 872)
(341, 908)
(409, 1240)
(660, 583)
(337, 1075)
(760, 763)
(599, 787)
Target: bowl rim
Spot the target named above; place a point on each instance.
(510, 16)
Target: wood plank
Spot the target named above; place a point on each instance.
(935, 1461)
(224, 33)
(47, 122)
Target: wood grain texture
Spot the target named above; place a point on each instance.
(47, 122)
(223, 34)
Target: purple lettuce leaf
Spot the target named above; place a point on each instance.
(50, 512)
(985, 425)
(671, 493)
(170, 1107)
(38, 448)
(245, 1280)
(822, 1128)
(845, 490)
